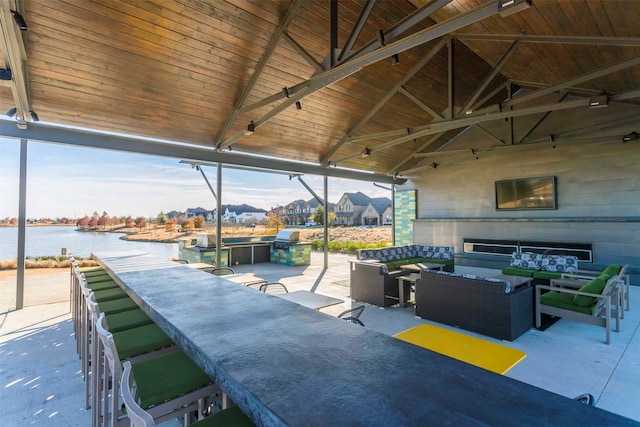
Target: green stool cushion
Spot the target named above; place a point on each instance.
(140, 340)
(101, 278)
(109, 294)
(611, 270)
(102, 286)
(117, 306)
(593, 287)
(226, 418)
(167, 377)
(91, 270)
(560, 300)
(125, 320)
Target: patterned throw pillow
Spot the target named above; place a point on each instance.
(526, 260)
(559, 263)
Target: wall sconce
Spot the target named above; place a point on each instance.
(632, 137)
(251, 128)
(599, 101)
(12, 112)
(20, 22)
(509, 7)
(366, 152)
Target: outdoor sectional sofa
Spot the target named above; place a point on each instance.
(542, 268)
(479, 304)
(374, 274)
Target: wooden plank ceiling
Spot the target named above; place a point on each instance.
(196, 71)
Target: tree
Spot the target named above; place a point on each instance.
(274, 220)
(141, 222)
(129, 222)
(83, 222)
(162, 218)
(187, 224)
(103, 221)
(198, 222)
(170, 226)
(318, 216)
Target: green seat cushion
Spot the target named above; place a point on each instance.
(593, 287)
(396, 263)
(230, 417)
(101, 278)
(438, 261)
(140, 340)
(117, 306)
(547, 275)
(102, 286)
(109, 294)
(518, 271)
(131, 319)
(91, 270)
(565, 301)
(166, 377)
(611, 270)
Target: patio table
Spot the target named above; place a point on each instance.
(286, 365)
(310, 299)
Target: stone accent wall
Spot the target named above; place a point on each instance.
(296, 255)
(405, 213)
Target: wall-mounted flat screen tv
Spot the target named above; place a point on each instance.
(526, 193)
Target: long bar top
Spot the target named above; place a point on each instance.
(287, 365)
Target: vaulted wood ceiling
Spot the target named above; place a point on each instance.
(199, 71)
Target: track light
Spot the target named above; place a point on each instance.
(20, 22)
(366, 152)
(5, 74)
(34, 116)
(599, 101)
(509, 7)
(381, 40)
(395, 59)
(298, 106)
(433, 165)
(632, 137)
(12, 112)
(251, 128)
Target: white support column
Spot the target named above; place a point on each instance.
(22, 225)
(219, 218)
(326, 220)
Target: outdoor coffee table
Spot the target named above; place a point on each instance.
(514, 281)
(411, 278)
(310, 299)
(418, 267)
(475, 351)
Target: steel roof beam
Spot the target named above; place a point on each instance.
(525, 38)
(420, 104)
(258, 71)
(357, 28)
(81, 138)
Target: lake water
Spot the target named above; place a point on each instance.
(43, 241)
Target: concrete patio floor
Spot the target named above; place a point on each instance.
(40, 381)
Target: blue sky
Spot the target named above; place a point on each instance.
(66, 181)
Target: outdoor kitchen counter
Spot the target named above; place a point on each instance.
(286, 365)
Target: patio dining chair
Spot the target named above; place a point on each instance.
(352, 315)
(274, 288)
(138, 417)
(587, 399)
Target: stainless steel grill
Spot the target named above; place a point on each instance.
(286, 238)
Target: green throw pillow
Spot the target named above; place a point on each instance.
(593, 287)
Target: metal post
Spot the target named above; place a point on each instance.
(393, 214)
(22, 225)
(219, 218)
(326, 220)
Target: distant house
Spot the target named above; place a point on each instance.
(174, 215)
(242, 214)
(194, 212)
(358, 209)
(299, 211)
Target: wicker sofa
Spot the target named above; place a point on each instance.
(484, 305)
(374, 273)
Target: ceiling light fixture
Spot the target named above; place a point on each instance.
(395, 59)
(381, 40)
(34, 116)
(5, 74)
(298, 106)
(251, 128)
(632, 137)
(12, 112)
(20, 22)
(366, 152)
(599, 101)
(509, 7)
(433, 165)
